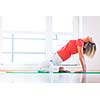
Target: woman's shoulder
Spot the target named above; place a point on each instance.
(80, 42)
(80, 39)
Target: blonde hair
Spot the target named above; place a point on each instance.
(89, 49)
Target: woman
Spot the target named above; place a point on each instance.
(84, 46)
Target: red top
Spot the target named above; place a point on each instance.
(70, 48)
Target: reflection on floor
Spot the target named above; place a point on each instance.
(49, 78)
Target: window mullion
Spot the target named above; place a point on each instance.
(49, 36)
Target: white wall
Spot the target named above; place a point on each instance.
(91, 24)
(0, 40)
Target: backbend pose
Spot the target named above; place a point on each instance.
(84, 46)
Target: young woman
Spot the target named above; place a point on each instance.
(84, 46)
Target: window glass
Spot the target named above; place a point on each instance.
(27, 45)
(25, 39)
(63, 24)
(24, 23)
(28, 58)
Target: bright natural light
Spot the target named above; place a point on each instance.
(63, 24)
(24, 23)
(25, 37)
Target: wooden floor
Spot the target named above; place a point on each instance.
(49, 78)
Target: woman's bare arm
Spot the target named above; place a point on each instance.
(81, 58)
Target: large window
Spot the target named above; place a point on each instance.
(63, 24)
(29, 40)
(25, 23)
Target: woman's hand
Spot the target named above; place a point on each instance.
(80, 71)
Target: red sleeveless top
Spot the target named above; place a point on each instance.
(70, 48)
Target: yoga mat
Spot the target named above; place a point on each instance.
(43, 72)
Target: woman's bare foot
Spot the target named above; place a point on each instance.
(61, 70)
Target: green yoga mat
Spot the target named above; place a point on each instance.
(43, 72)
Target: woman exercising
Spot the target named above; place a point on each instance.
(84, 46)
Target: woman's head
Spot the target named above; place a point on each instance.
(88, 39)
(89, 49)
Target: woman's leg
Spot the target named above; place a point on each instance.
(56, 61)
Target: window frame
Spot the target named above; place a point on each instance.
(49, 34)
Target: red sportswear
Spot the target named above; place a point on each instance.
(70, 48)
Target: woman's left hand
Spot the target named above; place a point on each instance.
(79, 71)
